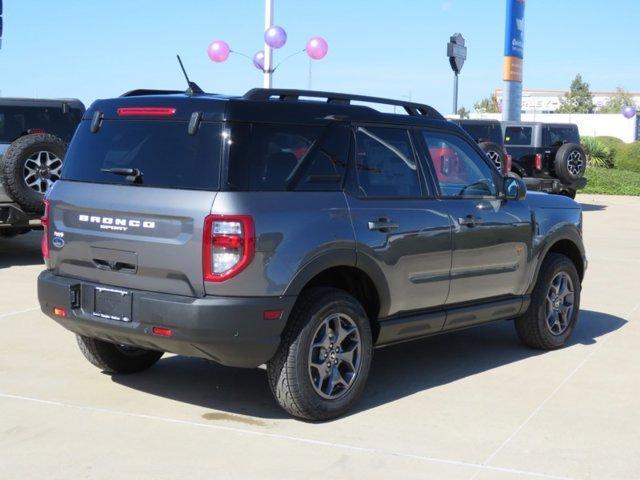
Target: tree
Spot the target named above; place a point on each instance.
(487, 105)
(616, 103)
(463, 112)
(579, 98)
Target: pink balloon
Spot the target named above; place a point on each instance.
(275, 37)
(258, 60)
(218, 51)
(317, 48)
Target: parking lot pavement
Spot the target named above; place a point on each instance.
(469, 405)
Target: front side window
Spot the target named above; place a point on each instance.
(460, 170)
(385, 163)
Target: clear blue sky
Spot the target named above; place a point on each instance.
(101, 48)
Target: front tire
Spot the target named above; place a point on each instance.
(112, 358)
(321, 367)
(555, 302)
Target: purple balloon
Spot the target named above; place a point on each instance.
(258, 60)
(275, 37)
(629, 111)
(317, 48)
(218, 51)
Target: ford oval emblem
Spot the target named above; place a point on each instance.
(58, 242)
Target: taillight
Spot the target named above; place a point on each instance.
(228, 246)
(506, 166)
(537, 162)
(44, 243)
(146, 111)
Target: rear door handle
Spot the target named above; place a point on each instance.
(383, 225)
(469, 220)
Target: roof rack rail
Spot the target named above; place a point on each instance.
(146, 91)
(415, 109)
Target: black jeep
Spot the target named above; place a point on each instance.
(33, 141)
(547, 155)
(488, 135)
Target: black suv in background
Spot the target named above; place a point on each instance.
(488, 135)
(33, 140)
(295, 233)
(547, 155)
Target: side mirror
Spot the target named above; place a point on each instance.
(514, 188)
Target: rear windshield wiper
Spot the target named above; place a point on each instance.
(133, 175)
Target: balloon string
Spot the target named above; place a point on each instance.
(242, 55)
(287, 58)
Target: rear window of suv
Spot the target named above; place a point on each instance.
(163, 151)
(556, 136)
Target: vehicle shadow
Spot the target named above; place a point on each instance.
(396, 372)
(592, 207)
(21, 250)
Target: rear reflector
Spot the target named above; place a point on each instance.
(59, 312)
(146, 111)
(272, 314)
(162, 332)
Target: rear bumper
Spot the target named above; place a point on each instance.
(228, 330)
(552, 185)
(11, 215)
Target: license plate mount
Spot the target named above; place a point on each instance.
(112, 304)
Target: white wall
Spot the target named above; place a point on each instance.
(589, 124)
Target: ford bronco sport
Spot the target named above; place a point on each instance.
(296, 229)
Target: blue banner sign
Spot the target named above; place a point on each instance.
(514, 29)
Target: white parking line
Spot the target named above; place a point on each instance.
(308, 441)
(551, 395)
(17, 312)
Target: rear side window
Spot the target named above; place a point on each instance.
(18, 121)
(517, 136)
(268, 157)
(385, 163)
(557, 136)
(483, 132)
(163, 151)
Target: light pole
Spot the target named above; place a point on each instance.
(457, 53)
(268, 51)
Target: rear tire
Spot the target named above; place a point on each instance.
(494, 152)
(326, 325)
(112, 358)
(555, 303)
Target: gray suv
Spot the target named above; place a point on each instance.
(296, 229)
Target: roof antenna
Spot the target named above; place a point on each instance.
(193, 86)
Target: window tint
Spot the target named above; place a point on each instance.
(287, 157)
(459, 169)
(556, 136)
(483, 132)
(385, 164)
(17, 121)
(163, 151)
(517, 136)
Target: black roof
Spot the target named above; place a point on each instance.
(41, 102)
(273, 105)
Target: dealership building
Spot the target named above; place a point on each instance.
(549, 101)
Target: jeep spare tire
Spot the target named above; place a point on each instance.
(495, 153)
(29, 168)
(570, 162)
